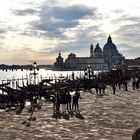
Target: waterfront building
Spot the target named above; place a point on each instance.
(59, 64)
(99, 59)
(111, 55)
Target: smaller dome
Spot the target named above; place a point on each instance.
(97, 49)
(59, 55)
(71, 56)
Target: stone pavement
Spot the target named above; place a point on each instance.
(108, 117)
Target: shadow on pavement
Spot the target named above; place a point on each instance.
(67, 116)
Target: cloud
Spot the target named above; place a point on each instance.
(128, 36)
(126, 18)
(73, 12)
(59, 22)
(129, 51)
(118, 11)
(129, 33)
(133, 52)
(25, 12)
(2, 31)
(54, 21)
(81, 43)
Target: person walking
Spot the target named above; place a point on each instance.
(68, 101)
(75, 104)
(114, 87)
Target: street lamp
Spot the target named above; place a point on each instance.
(73, 75)
(88, 72)
(34, 68)
(34, 64)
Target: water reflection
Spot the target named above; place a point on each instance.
(42, 72)
(20, 77)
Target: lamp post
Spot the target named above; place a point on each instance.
(34, 73)
(73, 75)
(88, 72)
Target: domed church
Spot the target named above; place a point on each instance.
(99, 59)
(111, 55)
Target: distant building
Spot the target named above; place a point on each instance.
(59, 64)
(111, 55)
(99, 59)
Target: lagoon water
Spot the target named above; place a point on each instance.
(19, 74)
(4, 75)
(42, 73)
(20, 78)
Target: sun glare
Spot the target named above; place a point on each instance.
(4, 8)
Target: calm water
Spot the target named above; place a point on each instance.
(18, 75)
(4, 75)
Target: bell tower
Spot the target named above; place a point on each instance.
(91, 51)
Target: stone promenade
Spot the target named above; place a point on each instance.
(107, 117)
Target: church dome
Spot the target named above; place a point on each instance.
(59, 55)
(97, 49)
(110, 46)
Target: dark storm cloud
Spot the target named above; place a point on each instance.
(25, 12)
(69, 13)
(54, 21)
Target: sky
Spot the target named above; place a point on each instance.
(36, 30)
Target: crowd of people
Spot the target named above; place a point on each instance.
(65, 102)
(121, 83)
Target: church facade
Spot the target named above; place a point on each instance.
(99, 59)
